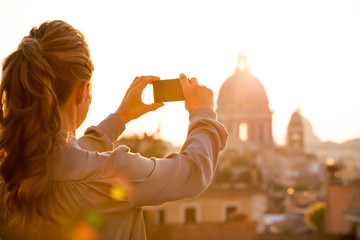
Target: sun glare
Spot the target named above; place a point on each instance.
(117, 193)
(84, 231)
(311, 62)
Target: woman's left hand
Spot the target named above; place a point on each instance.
(132, 105)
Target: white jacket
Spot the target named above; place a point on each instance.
(101, 189)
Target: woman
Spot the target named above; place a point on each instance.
(51, 182)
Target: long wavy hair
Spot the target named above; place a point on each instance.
(37, 79)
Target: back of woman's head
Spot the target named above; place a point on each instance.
(37, 79)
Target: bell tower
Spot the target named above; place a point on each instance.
(295, 132)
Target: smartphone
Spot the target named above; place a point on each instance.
(167, 90)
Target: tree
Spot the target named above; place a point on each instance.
(315, 216)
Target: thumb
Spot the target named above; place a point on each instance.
(154, 106)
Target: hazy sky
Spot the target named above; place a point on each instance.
(306, 54)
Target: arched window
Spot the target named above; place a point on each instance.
(243, 131)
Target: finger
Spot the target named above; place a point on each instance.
(131, 86)
(147, 80)
(135, 78)
(137, 81)
(184, 80)
(133, 82)
(194, 81)
(154, 78)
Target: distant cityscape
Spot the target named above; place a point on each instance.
(304, 188)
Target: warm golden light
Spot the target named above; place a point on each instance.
(117, 193)
(290, 191)
(84, 231)
(288, 69)
(330, 162)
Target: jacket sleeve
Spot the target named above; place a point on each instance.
(180, 175)
(100, 138)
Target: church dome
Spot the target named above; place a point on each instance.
(242, 106)
(242, 90)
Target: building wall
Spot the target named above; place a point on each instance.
(208, 231)
(211, 207)
(338, 199)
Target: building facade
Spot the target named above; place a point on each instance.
(243, 107)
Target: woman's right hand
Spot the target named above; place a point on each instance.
(196, 96)
(132, 105)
